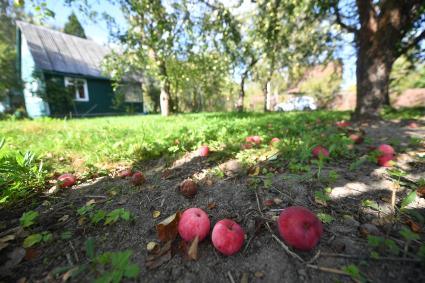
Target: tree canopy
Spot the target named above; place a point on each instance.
(74, 27)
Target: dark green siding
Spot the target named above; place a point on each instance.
(101, 96)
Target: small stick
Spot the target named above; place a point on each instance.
(75, 252)
(230, 277)
(314, 257)
(328, 269)
(68, 258)
(104, 197)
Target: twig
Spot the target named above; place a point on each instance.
(75, 252)
(247, 244)
(314, 257)
(104, 197)
(230, 277)
(371, 258)
(328, 269)
(9, 231)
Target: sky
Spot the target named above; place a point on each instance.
(99, 33)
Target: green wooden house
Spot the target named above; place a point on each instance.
(62, 76)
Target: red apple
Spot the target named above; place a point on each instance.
(274, 140)
(246, 146)
(343, 124)
(125, 173)
(412, 125)
(253, 139)
(319, 150)
(385, 160)
(66, 180)
(194, 222)
(356, 138)
(386, 150)
(227, 237)
(203, 151)
(300, 228)
(137, 178)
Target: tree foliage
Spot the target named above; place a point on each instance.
(74, 27)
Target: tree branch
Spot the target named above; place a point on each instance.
(412, 43)
(339, 19)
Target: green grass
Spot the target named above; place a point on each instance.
(87, 146)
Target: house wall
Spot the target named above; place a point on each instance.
(101, 96)
(34, 104)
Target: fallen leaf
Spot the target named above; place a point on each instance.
(193, 249)
(69, 274)
(82, 221)
(31, 253)
(63, 218)
(162, 256)
(259, 274)
(413, 226)
(268, 202)
(90, 202)
(212, 205)
(156, 213)
(152, 247)
(245, 277)
(167, 229)
(277, 201)
(4, 241)
(420, 192)
(255, 171)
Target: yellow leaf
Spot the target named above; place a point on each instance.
(256, 171)
(152, 246)
(156, 213)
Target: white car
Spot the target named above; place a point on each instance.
(297, 103)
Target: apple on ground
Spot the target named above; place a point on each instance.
(227, 237)
(319, 150)
(300, 228)
(343, 124)
(138, 178)
(274, 141)
(386, 150)
(66, 180)
(203, 151)
(194, 223)
(385, 160)
(356, 138)
(125, 173)
(188, 188)
(412, 125)
(253, 139)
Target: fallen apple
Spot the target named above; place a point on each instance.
(66, 180)
(356, 138)
(386, 150)
(274, 141)
(253, 139)
(319, 150)
(193, 223)
(343, 124)
(138, 178)
(188, 188)
(125, 173)
(300, 228)
(227, 237)
(412, 125)
(385, 160)
(203, 151)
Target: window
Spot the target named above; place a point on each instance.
(79, 87)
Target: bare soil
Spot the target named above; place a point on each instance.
(262, 258)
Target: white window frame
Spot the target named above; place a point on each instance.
(69, 82)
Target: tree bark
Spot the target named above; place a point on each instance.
(241, 98)
(164, 98)
(267, 95)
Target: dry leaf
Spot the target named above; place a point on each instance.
(63, 218)
(277, 201)
(259, 274)
(413, 226)
(31, 253)
(156, 213)
(420, 192)
(82, 221)
(245, 277)
(255, 171)
(152, 247)
(167, 229)
(68, 274)
(4, 241)
(160, 257)
(90, 202)
(212, 205)
(193, 249)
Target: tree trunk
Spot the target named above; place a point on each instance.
(267, 95)
(240, 102)
(164, 98)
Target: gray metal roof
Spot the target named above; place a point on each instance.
(56, 51)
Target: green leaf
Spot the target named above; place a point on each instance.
(408, 199)
(47, 236)
(66, 235)
(408, 235)
(352, 270)
(370, 203)
(392, 246)
(90, 248)
(113, 216)
(120, 260)
(374, 241)
(125, 215)
(28, 218)
(325, 218)
(105, 278)
(98, 216)
(33, 239)
(131, 271)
